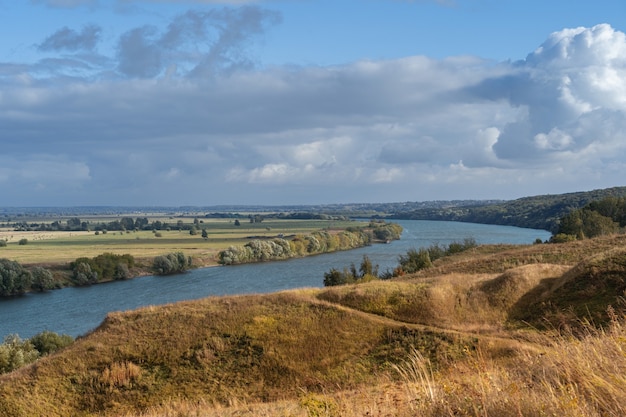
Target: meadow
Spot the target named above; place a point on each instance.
(531, 330)
(55, 247)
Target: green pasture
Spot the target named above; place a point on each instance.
(61, 247)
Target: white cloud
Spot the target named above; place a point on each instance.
(412, 128)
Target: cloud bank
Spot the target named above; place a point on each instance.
(182, 115)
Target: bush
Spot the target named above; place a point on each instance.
(3, 243)
(15, 353)
(107, 266)
(562, 238)
(47, 342)
(172, 263)
(415, 260)
(23, 241)
(367, 272)
(14, 279)
(83, 275)
(42, 279)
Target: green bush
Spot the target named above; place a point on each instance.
(107, 266)
(47, 342)
(172, 263)
(83, 275)
(14, 279)
(15, 353)
(367, 272)
(42, 279)
(23, 241)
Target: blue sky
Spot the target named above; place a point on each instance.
(128, 102)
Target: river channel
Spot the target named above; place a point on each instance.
(76, 311)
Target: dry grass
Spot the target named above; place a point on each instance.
(446, 345)
(571, 377)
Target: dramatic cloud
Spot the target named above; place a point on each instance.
(573, 91)
(180, 116)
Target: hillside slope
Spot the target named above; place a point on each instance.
(537, 212)
(451, 340)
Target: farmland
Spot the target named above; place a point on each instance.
(55, 247)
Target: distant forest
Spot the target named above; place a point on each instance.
(537, 212)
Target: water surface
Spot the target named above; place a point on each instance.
(77, 310)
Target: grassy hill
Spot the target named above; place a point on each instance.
(495, 331)
(537, 212)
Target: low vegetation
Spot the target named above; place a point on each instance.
(15, 352)
(104, 267)
(312, 244)
(172, 263)
(63, 253)
(492, 331)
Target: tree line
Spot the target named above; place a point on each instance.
(258, 250)
(15, 279)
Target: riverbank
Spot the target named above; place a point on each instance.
(204, 252)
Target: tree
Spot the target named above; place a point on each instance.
(335, 277)
(205, 235)
(74, 223)
(122, 271)
(367, 268)
(237, 223)
(14, 279)
(42, 279)
(127, 223)
(83, 275)
(415, 260)
(172, 263)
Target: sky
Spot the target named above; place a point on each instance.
(206, 102)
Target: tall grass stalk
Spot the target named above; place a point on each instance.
(417, 374)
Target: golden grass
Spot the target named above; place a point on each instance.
(428, 345)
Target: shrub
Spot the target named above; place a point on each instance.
(106, 266)
(367, 272)
(3, 243)
(42, 279)
(172, 263)
(83, 275)
(23, 241)
(47, 342)
(15, 353)
(14, 279)
(415, 260)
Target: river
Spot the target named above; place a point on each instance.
(76, 311)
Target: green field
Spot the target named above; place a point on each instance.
(61, 247)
